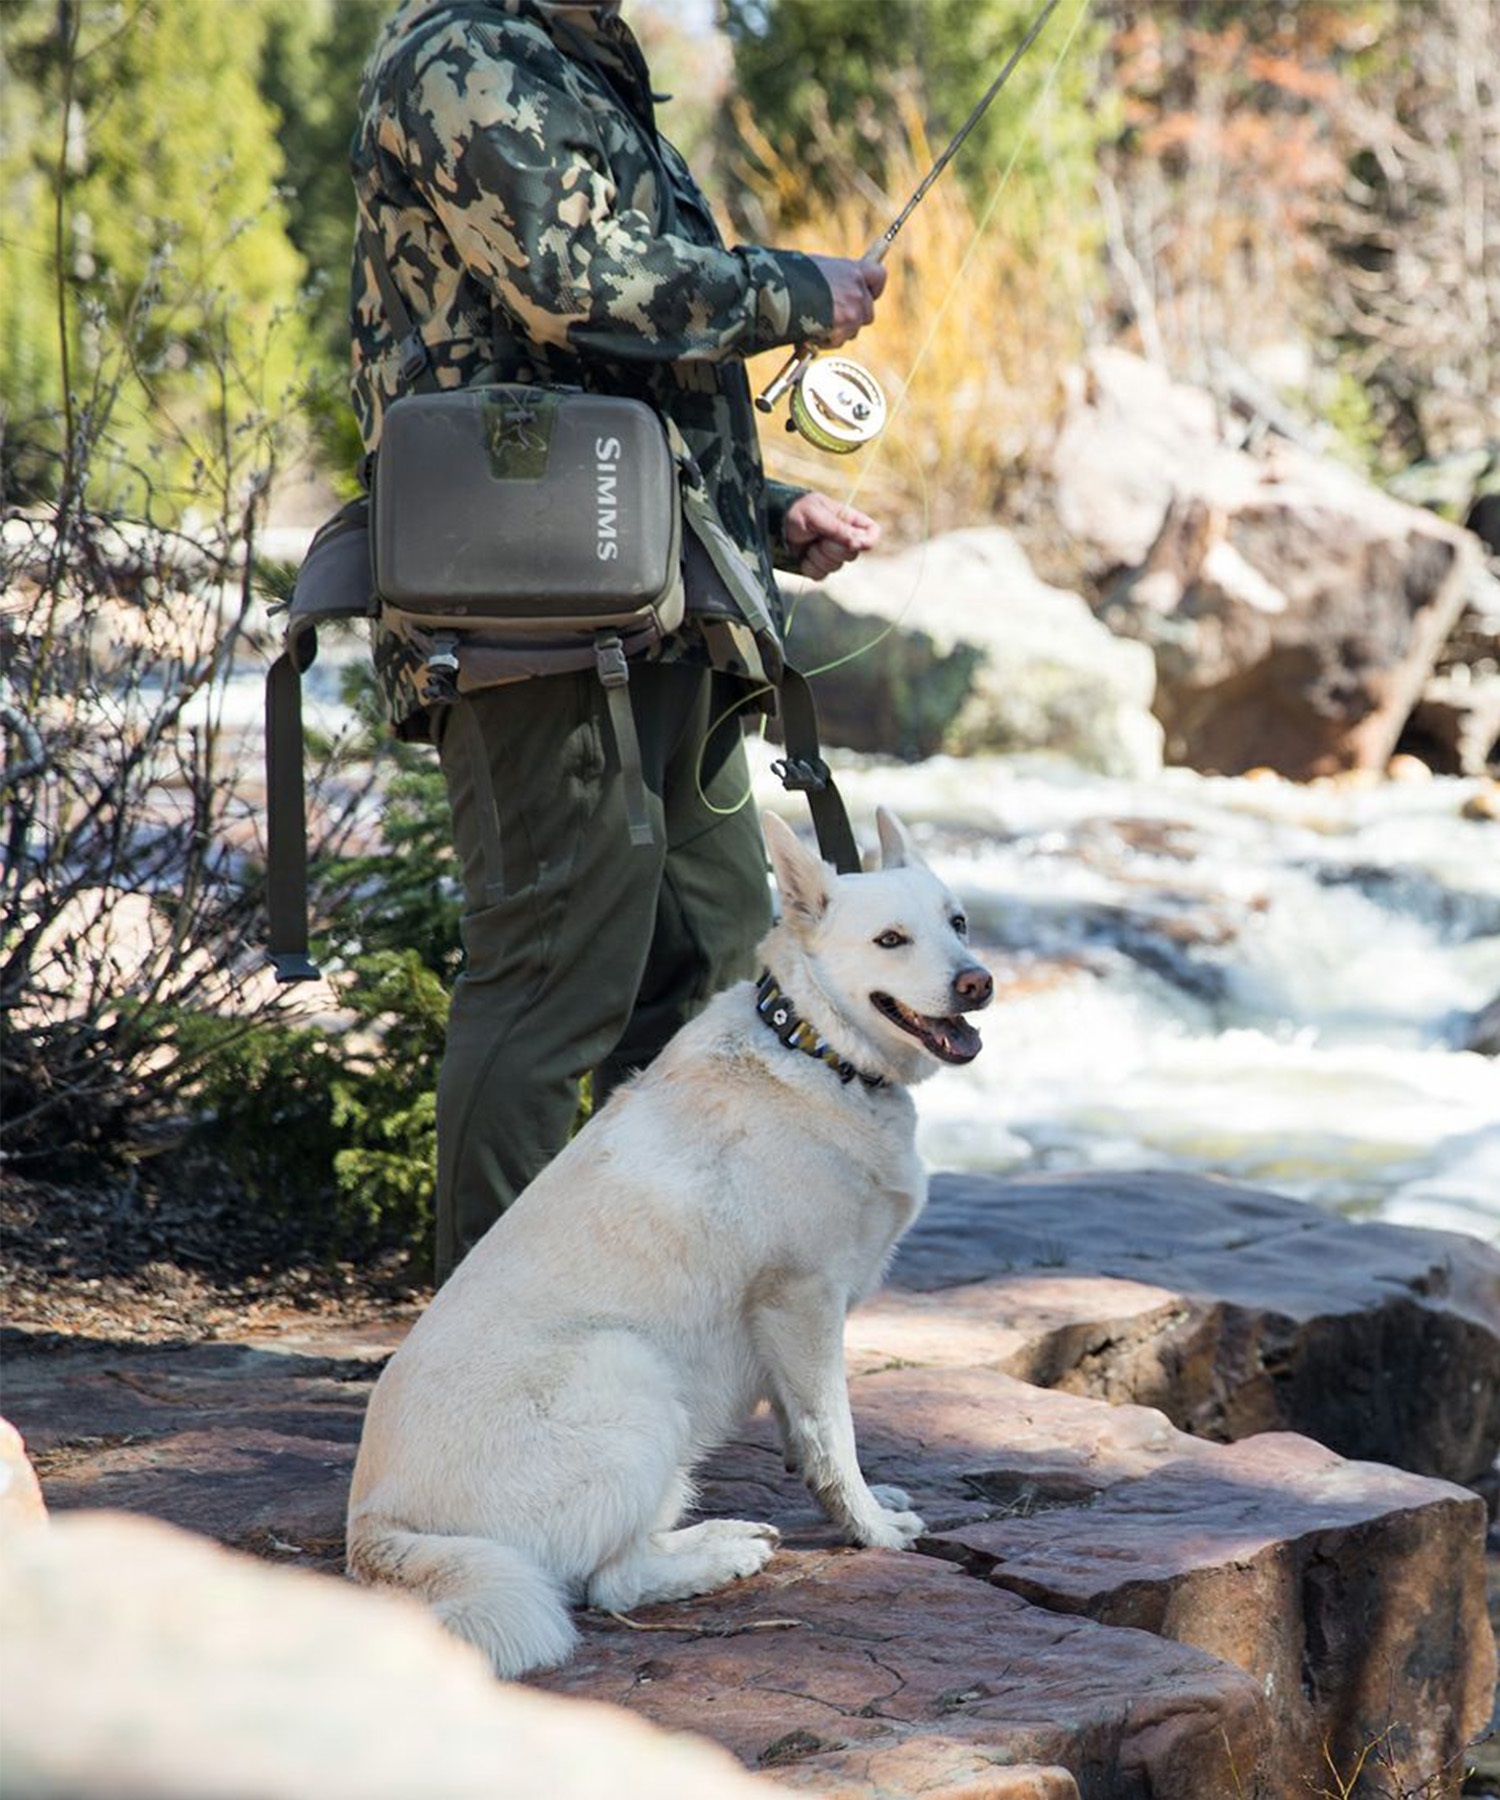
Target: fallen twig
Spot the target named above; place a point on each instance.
(705, 1630)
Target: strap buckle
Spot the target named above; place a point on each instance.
(800, 774)
(614, 671)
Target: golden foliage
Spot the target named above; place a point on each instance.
(982, 312)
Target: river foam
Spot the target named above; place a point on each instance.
(1243, 978)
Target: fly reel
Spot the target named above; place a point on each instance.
(836, 405)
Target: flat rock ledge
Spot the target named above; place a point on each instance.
(1232, 1310)
(1114, 1600)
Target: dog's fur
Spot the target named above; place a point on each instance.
(694, 1250)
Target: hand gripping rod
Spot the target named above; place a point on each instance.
(797, 365)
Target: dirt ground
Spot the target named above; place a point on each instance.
(128, 1264)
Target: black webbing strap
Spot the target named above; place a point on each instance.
(416, 361)
(286, 811)
(802, 770)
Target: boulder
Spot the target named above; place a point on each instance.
(1294, 610)
(843, 1670)
(957, 645)
(1233, 1310)
(139, 1662)
(21, 1503)
(1455, 725)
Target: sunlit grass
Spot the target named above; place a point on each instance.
(983, 312)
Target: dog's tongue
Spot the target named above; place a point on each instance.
(955, 1039)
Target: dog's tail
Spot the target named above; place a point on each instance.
(485, 1592)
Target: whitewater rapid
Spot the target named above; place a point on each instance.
(1245, 978)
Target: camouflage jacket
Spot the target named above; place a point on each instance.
(538, 228)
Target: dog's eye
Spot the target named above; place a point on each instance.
(960, 924)
(892, 940)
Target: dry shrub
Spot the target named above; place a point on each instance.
(983, 310)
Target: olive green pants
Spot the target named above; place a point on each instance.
(582, 951)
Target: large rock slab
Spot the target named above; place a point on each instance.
(141, 1663)
(1353, 1594)
(252, 1443)
(1251, 1312)
(1295, 611)
(957, 645)
(837, 1669)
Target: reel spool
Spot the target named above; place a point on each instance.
(837, 405)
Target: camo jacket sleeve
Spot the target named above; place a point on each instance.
(780, 496)
(522, 164)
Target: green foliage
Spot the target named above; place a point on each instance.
(266, 1107)
(146, 244)
(401, 893)
(310, 71)
(331, 1128)
(818, 78)
(386, 1107)
(334, 1124)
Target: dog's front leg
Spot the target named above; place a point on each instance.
(786, 1434)
(800, 1336)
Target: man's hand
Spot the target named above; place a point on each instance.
(855, 286)
(824, 535)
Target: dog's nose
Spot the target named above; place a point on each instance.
(974, 986)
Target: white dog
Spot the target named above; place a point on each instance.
(692, 1251)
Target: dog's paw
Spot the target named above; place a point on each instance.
(722, 1530)
(892, 1499)
(749, 1552)
(891, 1531)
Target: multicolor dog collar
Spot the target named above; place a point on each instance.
(795, 1032)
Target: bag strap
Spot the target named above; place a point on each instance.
(803, 771)
(416, 360)
(286, 808)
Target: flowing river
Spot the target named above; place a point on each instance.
(1246, 978)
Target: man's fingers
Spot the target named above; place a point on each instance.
(855, 287)
(826, 534)
(815, 515)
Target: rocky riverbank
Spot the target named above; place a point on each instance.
(1143, 1575)
(1242, 602)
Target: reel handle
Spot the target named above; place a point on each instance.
(790, 373)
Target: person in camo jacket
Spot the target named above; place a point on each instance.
(538, 228)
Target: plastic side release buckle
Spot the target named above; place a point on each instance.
(614, 671)
(800, 775)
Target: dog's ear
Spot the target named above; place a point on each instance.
(802, 880)
(897, 851)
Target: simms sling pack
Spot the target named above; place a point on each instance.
(514, 531)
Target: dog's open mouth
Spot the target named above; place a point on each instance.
(952, 1040)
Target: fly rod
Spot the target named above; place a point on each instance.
(836, 404)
